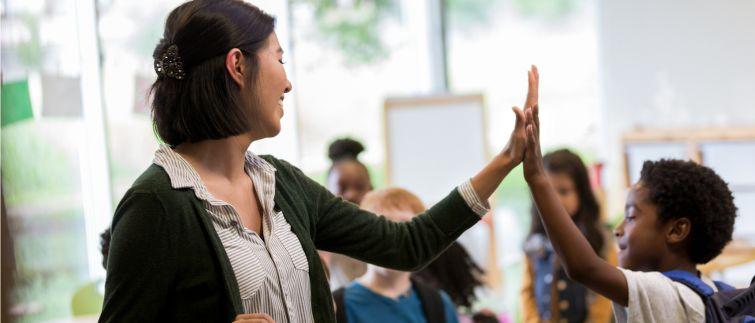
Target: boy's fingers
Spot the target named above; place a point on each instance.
(536, 77)
(530, 137)
(531, 91)
(529, 118)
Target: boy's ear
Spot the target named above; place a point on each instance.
(677, 230)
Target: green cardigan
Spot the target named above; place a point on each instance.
(167, 263)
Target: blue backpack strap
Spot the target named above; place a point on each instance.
(723, 287)
(690, 280)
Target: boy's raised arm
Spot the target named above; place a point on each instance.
(580, 261)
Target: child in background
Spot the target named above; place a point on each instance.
(547, 293)
(386, 295)
(349, 179)
(347, 176)
(456, 273)
(678, 215)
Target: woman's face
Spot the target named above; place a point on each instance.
(272, 85)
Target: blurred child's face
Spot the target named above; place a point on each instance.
(401, 215)
(642, 243)
(395, 215)
(566, 190)
(349, 180)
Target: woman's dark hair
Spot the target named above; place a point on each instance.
(456, 273)
(345, 149)
(105, 238)
(587, 218)
(205, 103)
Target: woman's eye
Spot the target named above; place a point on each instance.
(282, 61)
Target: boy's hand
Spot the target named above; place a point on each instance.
(533, 159)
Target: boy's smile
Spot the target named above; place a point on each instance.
(640, 237)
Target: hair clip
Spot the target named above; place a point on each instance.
(169, 64)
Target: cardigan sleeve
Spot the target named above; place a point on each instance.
(344, 228)
(141, 263)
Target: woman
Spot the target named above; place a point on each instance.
(210, 231)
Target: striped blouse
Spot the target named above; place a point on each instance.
(272, 273)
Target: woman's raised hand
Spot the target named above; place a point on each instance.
(487, 180)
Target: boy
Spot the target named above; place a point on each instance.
(678, 215)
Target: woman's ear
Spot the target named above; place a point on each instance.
(678, 230)
(235, 65)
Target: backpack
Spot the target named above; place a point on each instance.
(432, 304)
(728, 304)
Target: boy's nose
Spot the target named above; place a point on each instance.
(619, 230)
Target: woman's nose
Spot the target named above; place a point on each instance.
(289, 87)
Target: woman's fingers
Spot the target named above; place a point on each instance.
(520, 118)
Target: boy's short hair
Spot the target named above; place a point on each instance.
(685, 189)
(392, 199)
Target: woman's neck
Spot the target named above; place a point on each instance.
(390, 284)
(218, 158)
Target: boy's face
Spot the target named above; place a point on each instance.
(641, 238)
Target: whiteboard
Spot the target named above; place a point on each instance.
(728, 151)
(433, 144)
(732, 160)
(638, 153)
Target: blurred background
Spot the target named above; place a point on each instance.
(621, 82)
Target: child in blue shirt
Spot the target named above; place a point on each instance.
(386, 295)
